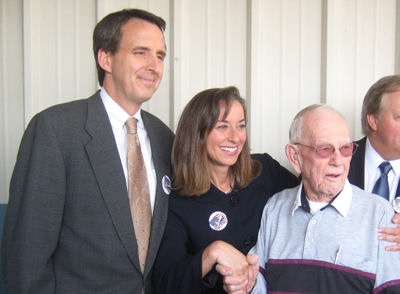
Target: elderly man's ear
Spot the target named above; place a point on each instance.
(292, 153)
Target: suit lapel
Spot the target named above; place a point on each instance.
(357, 165)
(104, 158)
(161, 157)
(398, 190)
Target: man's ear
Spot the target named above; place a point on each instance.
(292, 153)
(104, 60)
(372, 121)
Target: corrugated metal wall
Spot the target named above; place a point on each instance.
(282, 55)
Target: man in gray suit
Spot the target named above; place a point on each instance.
(68, 226)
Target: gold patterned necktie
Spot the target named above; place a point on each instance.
(139, 195)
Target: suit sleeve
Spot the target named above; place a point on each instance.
(34, 212)
(276, 176)
(387, 279)
(176, 270)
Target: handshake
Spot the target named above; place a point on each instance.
(239, 271)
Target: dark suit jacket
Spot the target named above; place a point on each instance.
(357, 166)
(68, 226)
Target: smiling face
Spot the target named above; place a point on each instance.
(385, 127)
(134, 72)
(225, 141)
(323, 178)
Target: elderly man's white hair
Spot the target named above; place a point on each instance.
(296, 127)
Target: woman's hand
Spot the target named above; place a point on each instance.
(240, 284)
(220, 252)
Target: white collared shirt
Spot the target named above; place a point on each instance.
(372, 172)
(118, 117)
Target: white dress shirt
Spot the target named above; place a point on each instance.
(118, 117)
(372, 171)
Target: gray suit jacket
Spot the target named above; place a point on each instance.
(68, 227)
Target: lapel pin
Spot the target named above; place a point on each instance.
(218, 221)
(166, 184)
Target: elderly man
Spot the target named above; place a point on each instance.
(321, 237)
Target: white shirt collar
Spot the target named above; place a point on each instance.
(373, 160)
(116, 113)
(341, 203)
(297, 200)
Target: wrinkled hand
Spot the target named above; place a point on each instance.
(240, 284)
(392, 234)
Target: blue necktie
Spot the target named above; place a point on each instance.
(382, 186)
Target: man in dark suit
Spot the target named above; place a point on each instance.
(380, 146)
(69, 225)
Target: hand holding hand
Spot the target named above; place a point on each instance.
(224, 254)
(392, 234)
(243, 283)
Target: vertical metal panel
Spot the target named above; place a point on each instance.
(75, 65)
(44, 72)
(159, 104)
(209, 47)
(84, 64)
(3, 128)
(267, 29)
(289, 54)
(190, 63)
(342, 56)
(385, 45)
(27, 51)
(397, 34)
(107, 6)
(58, 63)
(360, 49)
(235, 50)
(286, 62)
(158, 7)
(11, 90)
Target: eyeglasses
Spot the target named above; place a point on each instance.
(326, 150)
